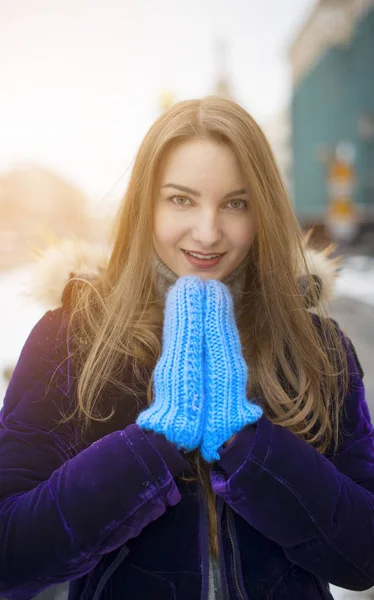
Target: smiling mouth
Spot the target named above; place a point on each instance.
(202, 256)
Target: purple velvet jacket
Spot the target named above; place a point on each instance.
(110, 513)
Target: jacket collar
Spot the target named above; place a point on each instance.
(69, 259)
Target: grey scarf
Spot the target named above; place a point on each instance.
(165, 278)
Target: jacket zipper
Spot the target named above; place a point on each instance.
(109, 572)
(204, 535)
(235, 564)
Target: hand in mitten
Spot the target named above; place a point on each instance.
(177, 409)
(226, 373)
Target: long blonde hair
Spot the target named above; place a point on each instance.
(293, 364)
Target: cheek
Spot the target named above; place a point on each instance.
(242, 235)
(167, 228)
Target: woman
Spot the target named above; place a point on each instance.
(148, 451)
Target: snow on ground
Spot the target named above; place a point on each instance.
(357, 279)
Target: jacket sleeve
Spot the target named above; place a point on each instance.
(63, 507)
(319, 509)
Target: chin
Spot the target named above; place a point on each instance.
(204, 275)
(207, 276)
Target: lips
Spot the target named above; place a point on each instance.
(196, 259)
(203, 255)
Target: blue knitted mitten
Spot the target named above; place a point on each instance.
(177, 411)
(228, 409)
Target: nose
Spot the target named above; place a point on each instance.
(207, 231)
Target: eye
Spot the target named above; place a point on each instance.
(238, 204)
(179, 200)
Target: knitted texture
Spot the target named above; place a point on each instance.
(226, 373)
(177, 411)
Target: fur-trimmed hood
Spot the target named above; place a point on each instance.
(80, 258)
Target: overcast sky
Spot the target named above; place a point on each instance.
(81, 79)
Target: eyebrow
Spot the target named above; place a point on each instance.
(188, 190)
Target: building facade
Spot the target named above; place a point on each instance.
(332, 61)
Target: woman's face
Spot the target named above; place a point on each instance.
(203, 223)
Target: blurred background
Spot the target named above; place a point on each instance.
(81, 83)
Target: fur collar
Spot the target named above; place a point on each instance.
(59, 263)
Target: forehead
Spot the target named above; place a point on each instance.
(201, 162)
